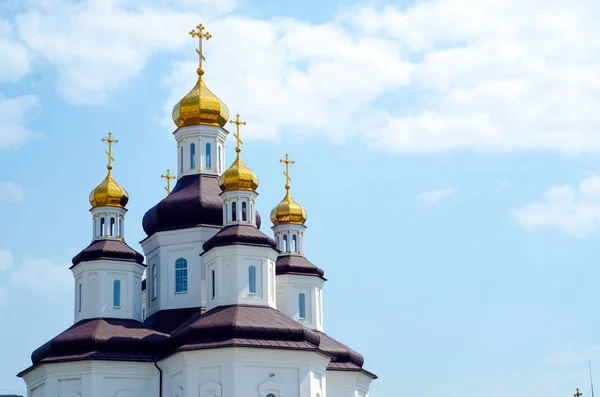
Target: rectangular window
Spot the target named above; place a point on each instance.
(154, 282)
(79, 299)
(252, 279)
(117, 293)
(302, 306)
(213, 284)
(181, 275)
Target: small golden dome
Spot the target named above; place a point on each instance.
(288, 211)
(238, 177)
(200, 106)
(109, 193)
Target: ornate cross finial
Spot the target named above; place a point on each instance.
(287, 162)
(110, 142)
(238, 122)
(168, 177)
(201, 34)
(578, 393)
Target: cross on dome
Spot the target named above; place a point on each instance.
(110, 142)
(578, 393)
(168, 177)
(201, 34)
(287, 162)
(236, 134)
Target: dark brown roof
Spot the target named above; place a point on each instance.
(168, 321)
(102, 338)
(239, 234)
(244, 325)
(296, 264)
(194, 201)
(108, 249)
(345, 359)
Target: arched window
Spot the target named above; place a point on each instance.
(251, 217)
(244, 215)
(112, 226)
(143, 314)
(79, 298)
(294, 243)
(181, 159)
(219, 164)
(234, 211)
(285, 243)
(181, 275)
(208, 155)
(252, 279)
(270, 395)
(213, 284)
(302, 306)
(121, 227)
(193, 155)
(154, 282)
(117, 293)
(102, 227)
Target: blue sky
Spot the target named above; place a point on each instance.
(446, 153)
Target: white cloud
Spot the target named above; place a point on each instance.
(575, 211)
(13, 117)
(20, 58)
(456, 74)
(435, 196)
(43, 276)
(6, 259)
(10, 191)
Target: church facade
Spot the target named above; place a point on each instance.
(225, 310)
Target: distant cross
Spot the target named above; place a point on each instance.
(578, 394)
(238, 122)
(201, 34)
(110, 142)
(287, 162)
(168, 177)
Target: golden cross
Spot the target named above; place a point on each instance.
(168, 177)
(238, 122)
(287, 162)
(578, 394)
(110, 141)
(201, 34)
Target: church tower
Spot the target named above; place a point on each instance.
(108, 273)
(299, 282)
(240, 259)
(192, 213)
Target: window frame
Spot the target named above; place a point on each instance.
(252, 280)
(154, 279)
(116, 294)
(302, 306)
(183, 273)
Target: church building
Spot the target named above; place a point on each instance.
(215, 306)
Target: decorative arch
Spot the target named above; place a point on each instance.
(272, 387)
(210, 389)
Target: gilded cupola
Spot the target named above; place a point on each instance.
(238, 176)
(200, 105)
(109, 193)
(288, 211)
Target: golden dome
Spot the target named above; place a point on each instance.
(109, 193)
(238, 177)
(200, 106)
(288, 211)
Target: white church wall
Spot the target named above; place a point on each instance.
(95, 289)
(231, 267)
(347, 384)
(245, 372)
(93, 379)
(289, 288)
(162, 250)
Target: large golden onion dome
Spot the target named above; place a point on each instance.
(108, 193)
(288, 212)
(200, 106)
(238, 177)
